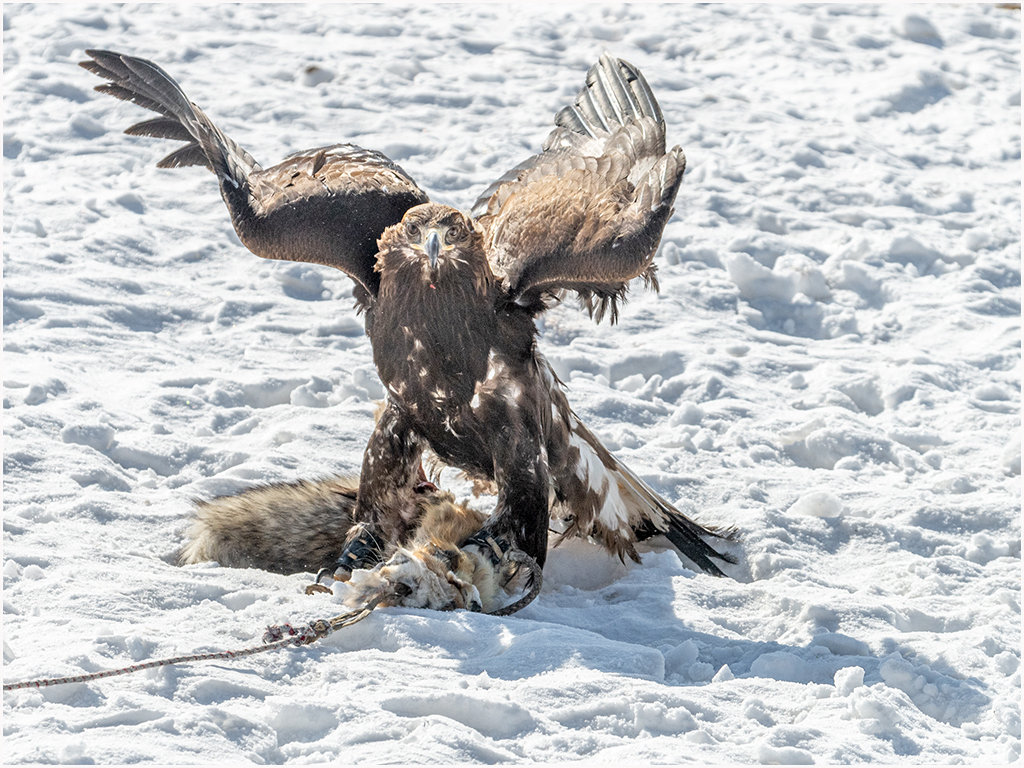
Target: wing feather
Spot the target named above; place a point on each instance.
(587, 213)
(327, 206)
(161, 128)
(191, 154)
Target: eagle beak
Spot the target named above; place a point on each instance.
(432, 245)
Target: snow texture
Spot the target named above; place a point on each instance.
(832, 366)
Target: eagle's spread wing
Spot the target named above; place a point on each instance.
(327, 206)
(588, 212)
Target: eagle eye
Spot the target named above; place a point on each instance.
(412, 230)
(455, 234)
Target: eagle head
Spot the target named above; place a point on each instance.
(439, 242)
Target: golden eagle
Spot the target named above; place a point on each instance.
(450, 300)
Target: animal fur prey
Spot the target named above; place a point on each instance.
(301, 527)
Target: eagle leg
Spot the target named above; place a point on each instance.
(520, 520)
(386, 510)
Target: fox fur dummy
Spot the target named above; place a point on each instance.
(301, 527)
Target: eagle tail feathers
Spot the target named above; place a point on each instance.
(684, 533)
(626, 510)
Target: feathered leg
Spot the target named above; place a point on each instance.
(384, 511)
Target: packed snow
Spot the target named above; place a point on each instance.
(831, 366)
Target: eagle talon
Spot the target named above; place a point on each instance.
(492, 546)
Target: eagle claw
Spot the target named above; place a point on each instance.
(496, 551)
(492, 546)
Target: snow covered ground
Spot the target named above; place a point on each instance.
(832, 366)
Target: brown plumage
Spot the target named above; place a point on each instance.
(450, 300)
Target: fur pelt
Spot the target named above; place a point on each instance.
(301, 527)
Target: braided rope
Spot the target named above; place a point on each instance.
(283, 635)
(280, 636)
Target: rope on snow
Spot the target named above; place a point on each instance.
(275, 637)
(283, 635)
